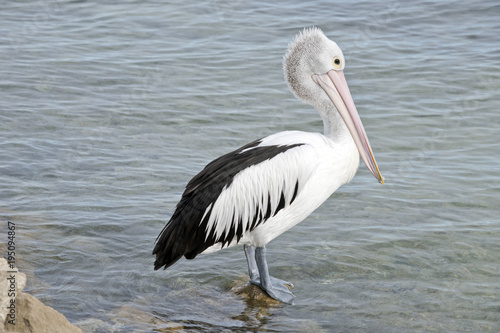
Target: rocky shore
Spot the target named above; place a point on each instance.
(20, 312)
(28, 314)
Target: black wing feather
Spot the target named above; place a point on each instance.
(185, 233)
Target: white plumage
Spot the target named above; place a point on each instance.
(311, 165)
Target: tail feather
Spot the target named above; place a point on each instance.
(169, 247)
(180, 237)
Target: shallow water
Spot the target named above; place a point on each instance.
(109, 109)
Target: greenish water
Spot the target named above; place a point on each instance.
(108, 109)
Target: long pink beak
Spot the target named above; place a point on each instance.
(335, 86)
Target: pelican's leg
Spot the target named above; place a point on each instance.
(275, 288)
(253, 270)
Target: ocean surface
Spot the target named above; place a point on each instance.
(109, 108)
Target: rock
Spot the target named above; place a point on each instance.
(132, 318)
(34, 316)
(251, 292)
(31, 315)
(20, 282)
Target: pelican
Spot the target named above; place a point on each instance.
(255, 193)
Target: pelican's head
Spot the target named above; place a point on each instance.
(313, 67)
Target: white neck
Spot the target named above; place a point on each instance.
(333, 125)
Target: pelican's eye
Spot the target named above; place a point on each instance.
(337, 63)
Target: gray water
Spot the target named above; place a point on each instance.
(109, 108)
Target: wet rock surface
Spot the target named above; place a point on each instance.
(21, 312)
